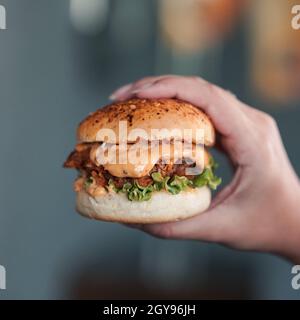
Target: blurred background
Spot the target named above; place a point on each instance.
(60, 60)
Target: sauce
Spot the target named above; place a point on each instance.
(137, 160)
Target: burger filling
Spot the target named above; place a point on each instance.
(171, 176)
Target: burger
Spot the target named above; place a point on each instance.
(144, 161)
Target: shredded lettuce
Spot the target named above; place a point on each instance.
(174, 185)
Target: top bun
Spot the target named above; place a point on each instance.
(145, 114)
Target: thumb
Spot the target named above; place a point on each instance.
(215, 225)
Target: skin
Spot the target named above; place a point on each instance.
(259, 209)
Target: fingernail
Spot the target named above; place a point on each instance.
(120, 91)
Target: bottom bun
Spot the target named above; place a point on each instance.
(162, 207)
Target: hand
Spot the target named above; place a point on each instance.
(259, 209)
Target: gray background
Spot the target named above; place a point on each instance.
(50, 78)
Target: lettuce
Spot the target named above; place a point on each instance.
(178, 184)
(112, 185)
(134, 191)
(173, 185)
(137, 193)
(159, 182)
(208, 177)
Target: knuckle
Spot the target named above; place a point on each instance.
(171, 79)
(265, 125)
(269, 125)
(196, 79)
(232, 95)
(214, 90)
(142, 81)
(166, 80)
(267, 119)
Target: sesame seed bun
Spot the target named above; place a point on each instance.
(145, 114)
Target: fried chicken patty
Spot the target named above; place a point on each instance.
(80, 159)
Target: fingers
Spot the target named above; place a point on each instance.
(127, 91)
(227, 191)
(215, 225)
(218, 104)
(229, 115)
(120, 92)
(224, 109)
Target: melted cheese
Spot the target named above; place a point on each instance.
(137, 160)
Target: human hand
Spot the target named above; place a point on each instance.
(259, 209)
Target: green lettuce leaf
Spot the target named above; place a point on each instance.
(139, 193)
(159, 182)
(207, 177)
(173, 185)
(126, 187)
(178, 184)
(112, 185)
